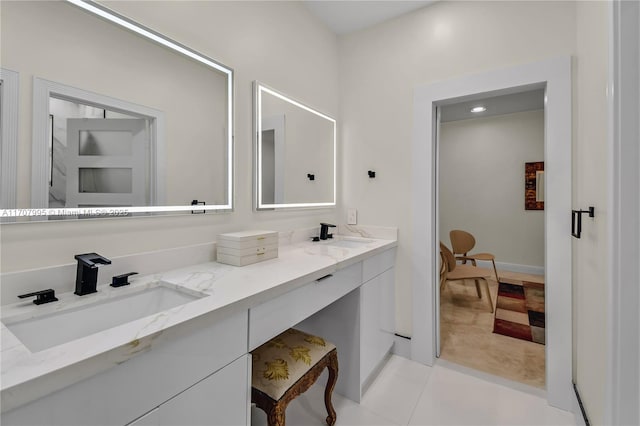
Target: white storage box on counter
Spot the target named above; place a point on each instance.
(247, 247)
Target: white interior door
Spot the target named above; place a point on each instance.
(106, 161)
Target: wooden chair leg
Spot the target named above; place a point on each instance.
(495, 270)
(331, 384)
(486, 284)
(478, 289)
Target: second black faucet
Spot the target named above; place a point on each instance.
(324, 231)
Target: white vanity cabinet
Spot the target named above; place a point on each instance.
(183, 366)
(220, 399)
(361, 325)
(377, 314)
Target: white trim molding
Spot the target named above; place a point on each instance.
(555, 76)
(515, 267)
(9, 149)
(623, 358)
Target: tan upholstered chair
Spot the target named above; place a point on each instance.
(451, 271)
(285, 367)
(462, 243)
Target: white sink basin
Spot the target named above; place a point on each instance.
(349, 243)
(64, 326)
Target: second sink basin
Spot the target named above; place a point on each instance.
(60, 327)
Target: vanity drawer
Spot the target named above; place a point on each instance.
(274, 316)
(378, 264)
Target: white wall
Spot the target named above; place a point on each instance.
(379, 70)
(623, 374)
(278, 43)
(482, 184)
(381, 66)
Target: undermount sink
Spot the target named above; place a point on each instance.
(348, 243)
(64, 326)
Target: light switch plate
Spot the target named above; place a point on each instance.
(352, 217)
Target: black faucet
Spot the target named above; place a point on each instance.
(324, 231)
(87, 272)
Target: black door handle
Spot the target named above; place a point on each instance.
(576, 220)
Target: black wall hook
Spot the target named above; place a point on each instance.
(371, 174)
(311, 176)
(576, 220)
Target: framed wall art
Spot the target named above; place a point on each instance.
(534, 185)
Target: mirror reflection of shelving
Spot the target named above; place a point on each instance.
(98, 157)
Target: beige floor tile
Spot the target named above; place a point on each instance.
(467, 338)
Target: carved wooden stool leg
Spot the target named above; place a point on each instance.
(331, 384)
(275, 417)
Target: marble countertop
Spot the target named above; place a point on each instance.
(27, 375)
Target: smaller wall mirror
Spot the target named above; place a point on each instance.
(295, 161)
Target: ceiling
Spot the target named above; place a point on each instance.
(496, 105)
(347, 16)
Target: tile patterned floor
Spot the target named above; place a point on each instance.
(408, 393)
(467, 338)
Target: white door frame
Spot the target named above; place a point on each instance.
(9, 147)
(623, 343)
(555, 75)
(277, 123)
(40, 161)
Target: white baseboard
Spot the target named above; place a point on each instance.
(402, 346)
(514, 267)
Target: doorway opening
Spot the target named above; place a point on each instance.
(554, 75)
(491, 217)
(98, 157)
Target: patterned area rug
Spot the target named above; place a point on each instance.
(520, 310)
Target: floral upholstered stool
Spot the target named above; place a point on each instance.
(285, 367)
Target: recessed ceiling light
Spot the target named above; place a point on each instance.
(478, 109)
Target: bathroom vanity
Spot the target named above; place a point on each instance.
(190, 363)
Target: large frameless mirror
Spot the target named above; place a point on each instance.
(295, 145)
(120, 119)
